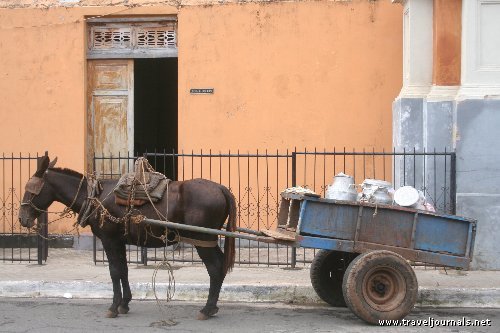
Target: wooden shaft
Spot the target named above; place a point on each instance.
(179, 226)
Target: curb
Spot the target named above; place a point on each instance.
(459, 297)
(144, 290)
(298, 294)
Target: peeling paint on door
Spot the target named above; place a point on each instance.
(110, 112)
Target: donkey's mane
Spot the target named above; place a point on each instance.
(68, 172)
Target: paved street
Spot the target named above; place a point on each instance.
(66, 315)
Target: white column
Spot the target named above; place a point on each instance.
(417, 48)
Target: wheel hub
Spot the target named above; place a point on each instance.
(380, 288)
(384, 288)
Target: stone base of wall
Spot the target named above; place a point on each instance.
(470, 128)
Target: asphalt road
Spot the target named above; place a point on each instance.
(70, 315)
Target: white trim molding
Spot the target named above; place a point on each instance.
(443, 93)
(413, 91)
(478, 92)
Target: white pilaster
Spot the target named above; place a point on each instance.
(417, 48)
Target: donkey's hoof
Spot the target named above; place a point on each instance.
(111, 314)
(123, 309)
(202, 316)
(205, 314)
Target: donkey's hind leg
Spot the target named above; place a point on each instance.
(213, 258)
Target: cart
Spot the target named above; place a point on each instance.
(365, 249)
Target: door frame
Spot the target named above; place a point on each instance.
(124, 53)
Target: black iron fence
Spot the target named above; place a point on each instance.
(432, 172)
(17, 243)
(257, 179)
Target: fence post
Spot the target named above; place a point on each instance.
(39, 239)
(144, 256)
(294, 183)
(43, 229)
(45, 241)
(453, 184)
(94, 248)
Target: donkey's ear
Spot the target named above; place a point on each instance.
(44, 164)
(52, 163)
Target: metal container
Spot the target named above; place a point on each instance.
(376, 191)
(408, 196)
(342, 188)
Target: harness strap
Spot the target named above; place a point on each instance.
(94, 189)
(197, 242)
(62, 213)
(70, 207)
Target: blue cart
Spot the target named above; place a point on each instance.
(366, 250)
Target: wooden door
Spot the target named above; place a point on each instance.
(110, 114)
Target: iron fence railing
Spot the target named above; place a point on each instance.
(18, 244)
(257, 179)
(432, 172)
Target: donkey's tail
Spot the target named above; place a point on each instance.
(229, 251)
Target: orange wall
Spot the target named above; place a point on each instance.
(305, 74)
(42, 80)
(447, 42)
(285, 74)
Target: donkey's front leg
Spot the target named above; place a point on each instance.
(116, 263)
(127, 294)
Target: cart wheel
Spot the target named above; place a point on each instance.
(327, 272)
(380, 285)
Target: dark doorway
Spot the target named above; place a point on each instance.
(155, 111)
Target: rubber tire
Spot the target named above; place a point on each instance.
(365, 266)
(327, 273)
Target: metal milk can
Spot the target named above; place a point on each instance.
(343, 188)
(376, 191)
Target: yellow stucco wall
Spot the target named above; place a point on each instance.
(43, 80)
(285, 74)
(303, 74)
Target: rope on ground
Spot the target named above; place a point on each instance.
(164, 265)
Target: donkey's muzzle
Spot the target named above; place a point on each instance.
(25, 217)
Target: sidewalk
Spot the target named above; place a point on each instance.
(72, 274)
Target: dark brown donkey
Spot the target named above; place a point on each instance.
(197, 202)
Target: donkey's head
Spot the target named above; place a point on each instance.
(37, 196)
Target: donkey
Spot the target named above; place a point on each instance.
(196, 202)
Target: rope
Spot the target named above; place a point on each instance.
(164, 264)
(143, 161)
(70, 207)
(38, 229)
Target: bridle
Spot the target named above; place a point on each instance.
(34, 187)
